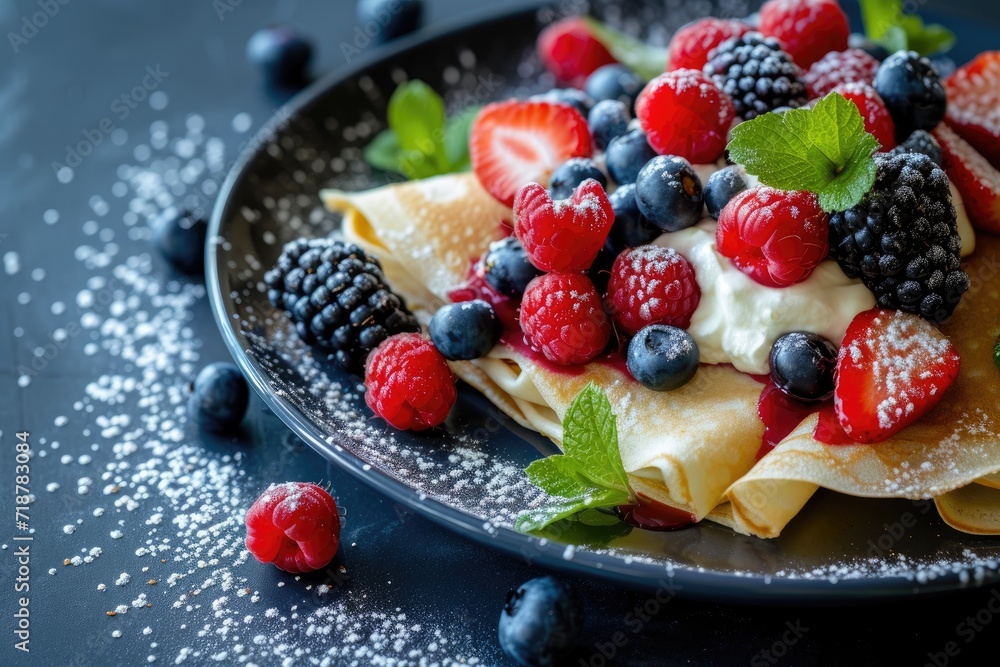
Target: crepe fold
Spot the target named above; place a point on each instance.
(696, 448)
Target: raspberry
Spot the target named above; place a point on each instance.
(837, 67)
(807, 29)
(562, 317)
(685, 113)
(409, 383)
(566, 234)
(570, 52)
(295, 526)
(775, 237)
(690, 46)
(652, 285)
(877, 119)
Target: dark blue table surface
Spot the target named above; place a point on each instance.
(444, 593)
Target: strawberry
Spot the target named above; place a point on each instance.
(514, 143)
(892, 369)
(570, 51)
(878, 121)
(976, 179)
(974, 104)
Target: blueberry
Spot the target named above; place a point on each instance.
(722, 186)
(662, 357)
(572, 97)
(466, 330)
(863, 42)
(282, 54)
(219, 397)
(572, 173)
(181, 239)
(614, 82)
(669, 194)
(802, 366)
(600, 271)
(912, 92)
(541, 622)
(627, 155)
(607, 120)
(630, 229)
(508, 269)
(389, 19)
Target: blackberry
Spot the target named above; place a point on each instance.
(757, 74)
(902, 240)
(921, 141)
(336, 295)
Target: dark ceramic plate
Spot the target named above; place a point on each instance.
(469, 476)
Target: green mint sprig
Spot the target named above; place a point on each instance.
(824, 149)
(645, 60)
(887, 24)
(421, 142)
(589, 474)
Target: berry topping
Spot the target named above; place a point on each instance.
(923, 142)
(507, 267)
(684, 113)
(541, 622)
(570, 174)
(902, 239)
(974, 104)
(976, 180)
(295, 526)
(181, 240)
(466, 330)
(626, 155)
(394, 18)
(662, 358)
(878, 122)
(607, 120)
(837, 67)
(863, 42)
(807, 29)
(219, 397)
(802, 366)
(568, 97)
(631, 229)
(513, 143)
(336, 295)
(570, 51)
(690, 46)
(912, 91)
(775, 237)
(893, 368)
(652, 285)
(722, 186)
(282, 54)
(668, 192)
(408, 383)
(614, 82)
(757, 75)
(562, 317)
(565, 234)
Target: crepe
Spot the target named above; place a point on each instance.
(696, 448)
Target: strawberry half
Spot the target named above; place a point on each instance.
(514, 143)
(892, 369)
(974, 104)
(976, 179)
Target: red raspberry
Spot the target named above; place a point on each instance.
(652, 285)
(409, 383)
(562, 317)
(775, 237)
(295, 526)
(807, 29)
(690, 46)
(837, 67)
(566, 234)
(877, 119)
(685, 113)
(570, 51)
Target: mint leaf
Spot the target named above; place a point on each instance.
(824, 150)
(886, 23)
(383, 152)
(931, 39)
(456, 138)
(645, 60)
(536, 519)
(590, 435)
(591, 527)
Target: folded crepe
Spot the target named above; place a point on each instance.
(696, 448)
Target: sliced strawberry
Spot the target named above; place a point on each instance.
(514, 143)
(976, 179)
(974, 104)
(892, 369)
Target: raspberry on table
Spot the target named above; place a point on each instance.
(562, 317)
(837, 67)
(570, 51)
(776, 237)
(807, 29)
(408, 383)
(878, 121)
(295, 526)
(690, 46)
(652, 285)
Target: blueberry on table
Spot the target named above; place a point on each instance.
(507, 267)
(282, 54)
(627, 155)
(802, 366)
(466, 330)
(630, 229)
(669, 193)
(912, 91)
(181, 240)
(393, 18)
(722, 186)
(614, 82)
(573, 172)
(219, 397)
(541, 622)
(662, 357)
(607, 119)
